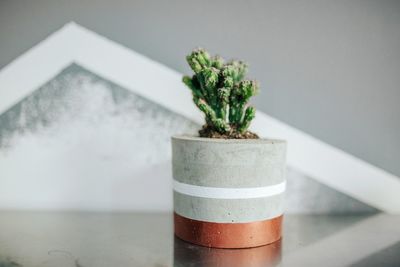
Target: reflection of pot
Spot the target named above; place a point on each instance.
(186, 254)
(228, 193)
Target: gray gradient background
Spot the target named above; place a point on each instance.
(330, 68)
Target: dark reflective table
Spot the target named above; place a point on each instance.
(84, 239)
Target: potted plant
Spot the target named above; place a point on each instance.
(228, 182)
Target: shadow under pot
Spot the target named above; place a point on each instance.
(228, 193)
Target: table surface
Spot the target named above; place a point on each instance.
(86, 239)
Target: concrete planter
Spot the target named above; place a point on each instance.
(228, 193)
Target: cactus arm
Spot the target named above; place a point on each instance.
(243, 92)
(247, 89)
(211, 116)
(194, 64)
(217, 62)
(209, 78)
(232, 108)
(196, 91)
(248, 117)
(236, 69)
(241, 70)
(223, 97)
(198, 60)
(203, 57)
(234, 105)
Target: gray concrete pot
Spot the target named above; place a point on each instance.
(228, 193)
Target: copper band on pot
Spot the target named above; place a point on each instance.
(228, 235)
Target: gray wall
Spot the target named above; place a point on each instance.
(331, 68)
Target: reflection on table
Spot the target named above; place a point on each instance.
(186, 254)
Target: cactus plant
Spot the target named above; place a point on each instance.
(220, 91)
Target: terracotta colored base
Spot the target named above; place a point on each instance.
(228, 235)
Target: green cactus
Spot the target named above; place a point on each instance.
(220, 91)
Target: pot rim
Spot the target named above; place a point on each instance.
(188, 137)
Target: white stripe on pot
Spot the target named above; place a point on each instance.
(229, 193)
(228, 210)
(112, 61)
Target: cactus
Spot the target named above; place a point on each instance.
(220, 91)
